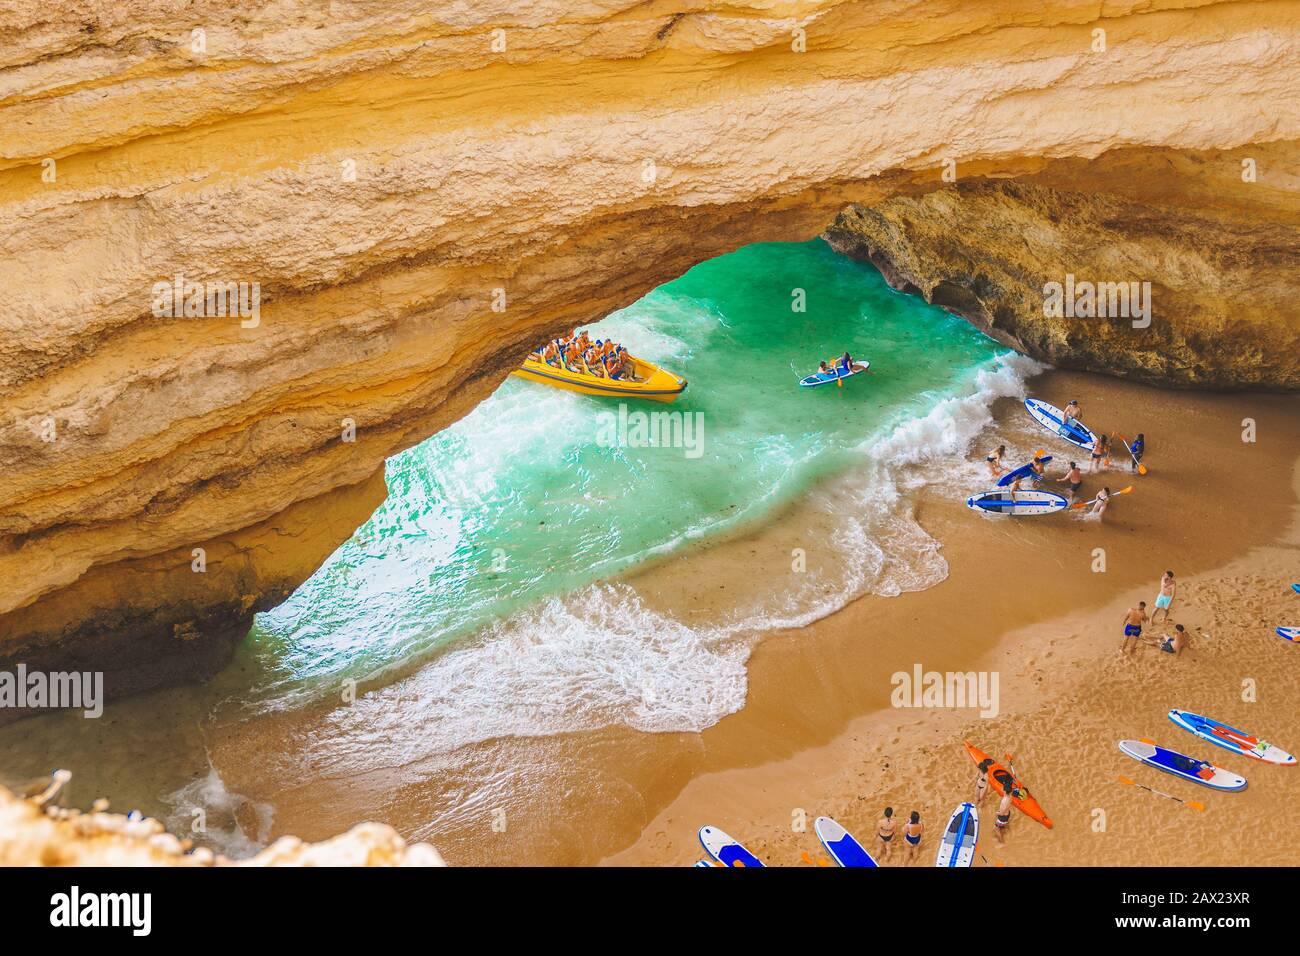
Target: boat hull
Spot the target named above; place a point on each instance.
(654, 383)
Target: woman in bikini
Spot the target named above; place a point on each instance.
(982, 780)
(912, 831)
(994, 461)
(885, 828)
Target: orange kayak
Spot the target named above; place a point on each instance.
(1000, 776)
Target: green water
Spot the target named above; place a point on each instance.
(526, 499)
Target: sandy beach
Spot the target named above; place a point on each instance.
(1022, 601)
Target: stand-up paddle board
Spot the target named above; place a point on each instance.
(835, 375)
(1020, 503)
(958, 846)
(1296, 588)
(726, 850)
(1000, 777)
(840, 845)
(1053, 419)
(1024, 471)
(1290, 633)
(703, 863)
(1181, 765)
(1230, 738)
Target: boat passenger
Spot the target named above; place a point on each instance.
(823, 369)
(846, 362)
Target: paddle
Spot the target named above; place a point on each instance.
(1115, 494)
(1142, 469)
(820, 861)
(987, 863)
(1194, 804)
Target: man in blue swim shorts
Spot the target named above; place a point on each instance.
(1134, 618)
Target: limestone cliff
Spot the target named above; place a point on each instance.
(1219, 256)
(422, 190)
(36, 832)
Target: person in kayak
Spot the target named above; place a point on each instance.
(912, 831)
(1134, 618)
(1165, 597)
(1074, 478)
(1137, 448)
(994, 461)
(885, 828)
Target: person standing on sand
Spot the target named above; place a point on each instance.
(1074, 478)
(912, 831)
(982, 780)
(1134, 618)
(994, 461)
(1003, 818)
(885, 828)
(1168, 591)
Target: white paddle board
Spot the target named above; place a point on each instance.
(1181, 765)
(1003, 502)
(959, 839)
(726, 850)
(1053, 419)
(1290, 633)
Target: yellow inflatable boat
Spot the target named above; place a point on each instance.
(645, 380)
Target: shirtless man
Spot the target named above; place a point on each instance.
(1134, 618)
(1168, 591)
(1174, 643)
(1074, 478)
(885, 828)
(1072, 410)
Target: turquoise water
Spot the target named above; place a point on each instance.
(527, 499)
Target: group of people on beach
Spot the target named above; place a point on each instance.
(1135, 618)
(1072, 476)
(576, 352)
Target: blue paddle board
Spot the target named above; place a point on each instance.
(1019, 503)
(1053, 419)
(1181, 765)
(726, 850)
(1290, 633)
(958, 845)
(1230, 738)
(840, 845)
(1296, 588)
(825, 378)
(1021, 472)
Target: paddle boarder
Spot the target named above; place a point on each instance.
(1134, 618)
(1168, 591)
(1137, 448)
(1072, 411)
